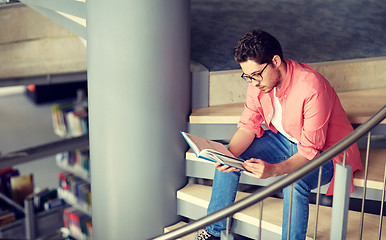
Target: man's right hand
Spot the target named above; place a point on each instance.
(225, 168)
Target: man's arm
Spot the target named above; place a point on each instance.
(240, 141)
(238, 144)
(262, 170)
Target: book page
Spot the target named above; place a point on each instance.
(224, 159)
(202, 144)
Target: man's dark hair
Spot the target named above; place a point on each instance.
(259, 46)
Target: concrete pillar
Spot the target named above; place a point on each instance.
(138, 79)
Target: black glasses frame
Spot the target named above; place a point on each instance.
(254, 76)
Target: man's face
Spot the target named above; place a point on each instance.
(270, 75)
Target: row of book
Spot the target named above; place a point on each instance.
(75, 191)
(6, 216)
(70, 119)
(78, 223)
(76, 162)
(15, 188)
(46, 199)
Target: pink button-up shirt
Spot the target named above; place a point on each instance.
(312, 114)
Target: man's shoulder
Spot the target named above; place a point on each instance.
(298, 67)
(307, 79)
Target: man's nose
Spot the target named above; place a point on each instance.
(255, 83)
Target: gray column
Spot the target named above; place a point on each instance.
(138, 80)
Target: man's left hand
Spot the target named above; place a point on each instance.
(259, 168)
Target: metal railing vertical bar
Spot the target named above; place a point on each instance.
(382, 205)
(228, 226)
(365, 184)
(317, 203)
(290, 211)
(271, 189)
(260, 220)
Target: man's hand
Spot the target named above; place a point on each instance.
(225, 168)
(262, 170)
(259, 168)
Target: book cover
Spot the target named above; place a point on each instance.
(5, 180)
(22, 186)
(54, 203)
(2, 185)
(6, 216)
(89, 228)
(42, 197)
(76, 223)
(66, 216)
(63, 183)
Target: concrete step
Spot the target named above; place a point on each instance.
(178, 225)
(226, 87)
(200, 168)
(193, 201)
(359, 105)
(376, 169)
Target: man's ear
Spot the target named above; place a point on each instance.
(276, 61)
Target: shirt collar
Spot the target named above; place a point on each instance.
(288, 79)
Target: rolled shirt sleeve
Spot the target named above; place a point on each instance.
(317, 112)
(251, 118)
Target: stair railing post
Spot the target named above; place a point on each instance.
(260, 220)
(226, 235)
(365, 185)
(341, 200)
(382, 204)
(317, 203)
(289, 212)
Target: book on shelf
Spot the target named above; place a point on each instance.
(75, 191)
(6, 216)
(42, 197)
(212, 151)
(69, 120)
(76, 162)
(8, 211)
(79, 223)
(22, 186)
(54, 203)
(59, 112)
(5, 180)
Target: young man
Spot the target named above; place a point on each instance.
(304, 117)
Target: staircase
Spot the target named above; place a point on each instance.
(219, 122)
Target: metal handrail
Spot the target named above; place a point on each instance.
(279, 184)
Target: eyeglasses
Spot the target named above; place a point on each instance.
(254, 76)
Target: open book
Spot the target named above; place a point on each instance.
(212, 151)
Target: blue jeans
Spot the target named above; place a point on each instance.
(272, 148)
